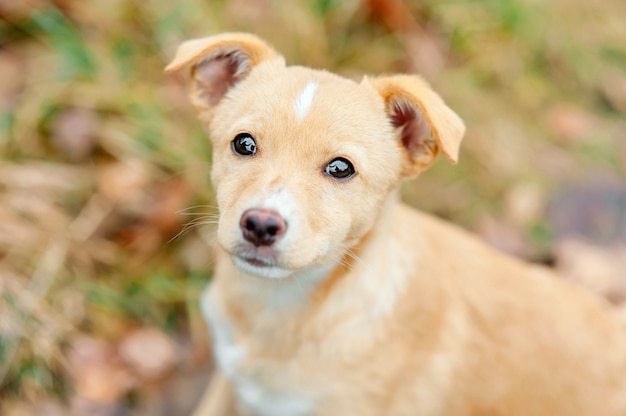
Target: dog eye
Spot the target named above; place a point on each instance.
(339, 168)
(244, 145)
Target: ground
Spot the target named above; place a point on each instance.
(106, 207)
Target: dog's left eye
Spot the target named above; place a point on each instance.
(340, 168)
(244, 145)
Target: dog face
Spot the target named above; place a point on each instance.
(303, 160)
(307, 153)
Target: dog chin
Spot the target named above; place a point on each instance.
(261, 270)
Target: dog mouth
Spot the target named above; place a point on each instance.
(257, 262)
(260, 261)
(256, 256)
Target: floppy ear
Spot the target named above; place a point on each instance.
(426, 125)
(217, 63)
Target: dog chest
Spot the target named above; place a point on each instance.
(231, 354)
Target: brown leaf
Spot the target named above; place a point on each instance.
(613, 87)
(97, 373)
(601, 270)
(394, 14)
(74, 133)
(160, 219)
(169, 199)
(424, 49)
(504, 237)
(125, 183)
(570, 123)
(524, 204)
(149, 352)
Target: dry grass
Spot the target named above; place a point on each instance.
(101, 153)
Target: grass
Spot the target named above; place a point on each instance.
(100, 150)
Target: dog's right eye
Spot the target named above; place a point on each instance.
(244, 145)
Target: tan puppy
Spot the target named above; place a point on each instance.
(332, 298)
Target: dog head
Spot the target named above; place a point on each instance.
(303, 159)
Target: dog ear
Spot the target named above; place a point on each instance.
(426, 125)
(217, 63)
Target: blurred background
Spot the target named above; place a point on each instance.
(104, 190)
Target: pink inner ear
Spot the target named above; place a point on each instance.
(216, 75)
(416, 134)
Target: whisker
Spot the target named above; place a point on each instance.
(196, 207)
(199, 213)
(193, 224)
(204, 218)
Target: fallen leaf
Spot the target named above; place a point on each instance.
(125, 183)
(97, 373)
(504, 237)
(74, 133)
(570, 123)
(601, 270)
(149, 352)
(613, 87)
(524, 204)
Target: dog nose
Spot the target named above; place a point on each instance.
(262, 227)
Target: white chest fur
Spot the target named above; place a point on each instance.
(230, 355)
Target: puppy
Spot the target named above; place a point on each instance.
(332, 298)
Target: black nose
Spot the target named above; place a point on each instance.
(262, 227)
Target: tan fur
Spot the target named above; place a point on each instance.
(386, 311)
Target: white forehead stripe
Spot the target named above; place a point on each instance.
(305, 99)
